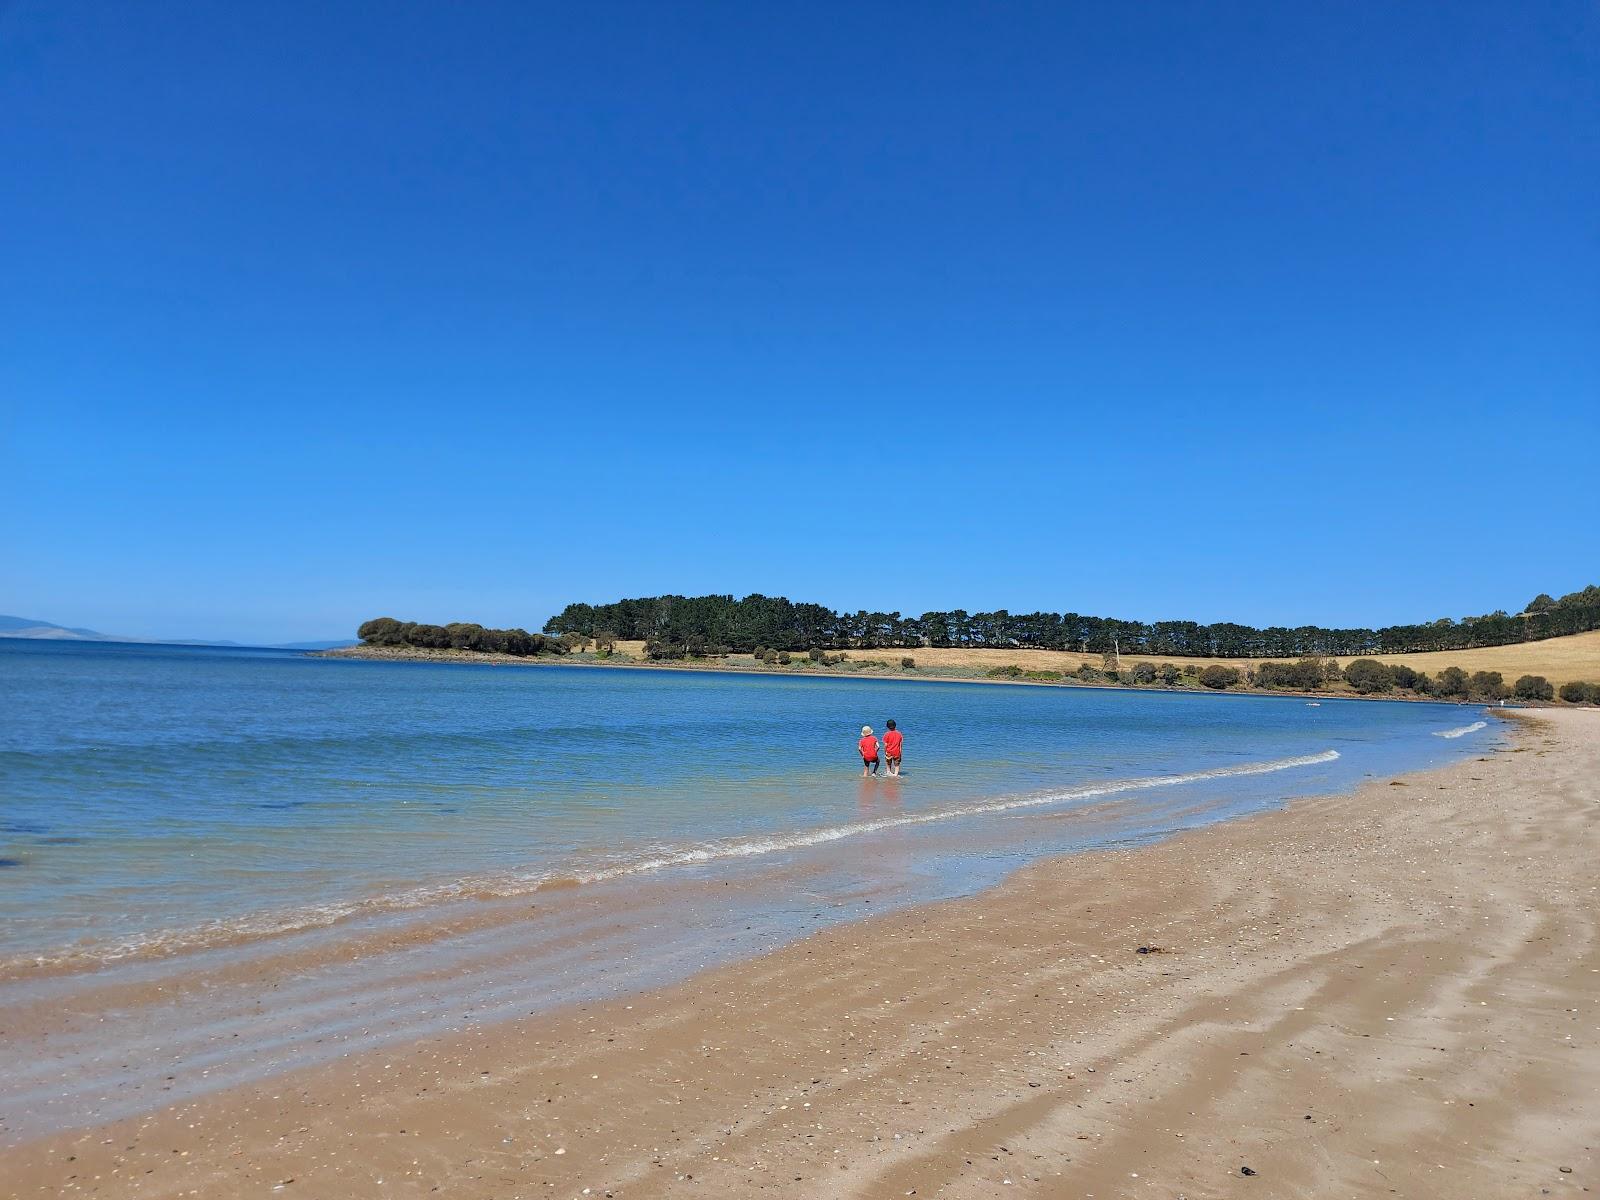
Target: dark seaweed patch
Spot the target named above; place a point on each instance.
(10, 862)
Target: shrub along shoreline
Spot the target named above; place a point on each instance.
(1309, 677)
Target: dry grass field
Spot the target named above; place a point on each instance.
(1557, 659)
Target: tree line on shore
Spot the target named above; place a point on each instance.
(461, 635)
(702, 624)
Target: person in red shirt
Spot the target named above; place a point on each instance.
(869, 752)
(891, 750)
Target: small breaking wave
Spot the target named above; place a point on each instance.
(1462, 732)
(749, 847)
(277, 923)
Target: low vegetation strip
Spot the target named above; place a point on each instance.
(1309, 675)
(461, 635)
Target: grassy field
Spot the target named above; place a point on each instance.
(1557, 659)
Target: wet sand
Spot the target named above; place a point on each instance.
(1394, 992)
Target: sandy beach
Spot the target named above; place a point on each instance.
(1392, 992)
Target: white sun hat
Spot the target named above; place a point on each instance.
(866, 731)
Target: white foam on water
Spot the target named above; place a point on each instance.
(749, 847)
(1462, 732)
(268, 924)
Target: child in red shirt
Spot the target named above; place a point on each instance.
(891, 749)
(869, 752)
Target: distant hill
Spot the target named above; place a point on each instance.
(29, 627)
(37, 630)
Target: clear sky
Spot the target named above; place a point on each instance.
(1264, 312)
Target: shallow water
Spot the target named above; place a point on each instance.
(224, 864)
(163, 798)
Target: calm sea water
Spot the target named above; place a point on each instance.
(157, 798)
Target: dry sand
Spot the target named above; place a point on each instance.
(1389, 993)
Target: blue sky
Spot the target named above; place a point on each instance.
(1273, 313)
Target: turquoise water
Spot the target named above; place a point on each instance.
(161, 798)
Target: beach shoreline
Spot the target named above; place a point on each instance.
(1347, 995)
(412, 654)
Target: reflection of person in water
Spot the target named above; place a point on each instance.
(878, 796)
(868, 746)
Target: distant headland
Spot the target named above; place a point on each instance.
(35, 630)
(1549, 649)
